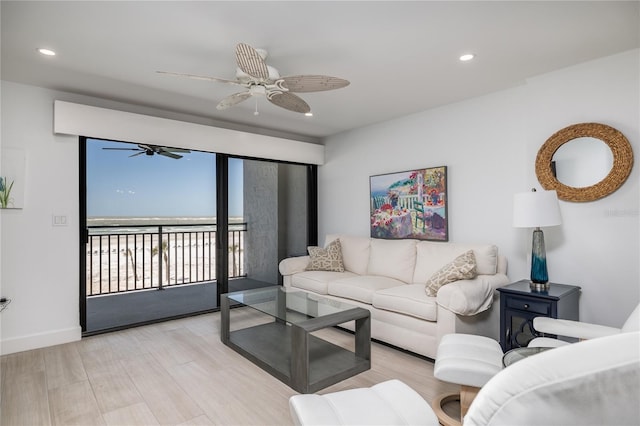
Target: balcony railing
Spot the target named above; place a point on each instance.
(138, 257)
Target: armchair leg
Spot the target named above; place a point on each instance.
(466, 396)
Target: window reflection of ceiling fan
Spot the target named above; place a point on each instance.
(261, 79)
(154, 149)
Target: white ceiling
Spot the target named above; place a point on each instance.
(401, 57)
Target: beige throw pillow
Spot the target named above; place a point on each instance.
(462, 267)
(326, 259)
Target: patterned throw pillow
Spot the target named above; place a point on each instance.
(462, 267)
(326, 259)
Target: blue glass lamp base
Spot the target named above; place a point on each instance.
(539, 274)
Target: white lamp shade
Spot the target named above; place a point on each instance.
(536, 209)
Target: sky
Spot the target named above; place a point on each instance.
(155, 186)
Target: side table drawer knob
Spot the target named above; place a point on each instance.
(526, 306)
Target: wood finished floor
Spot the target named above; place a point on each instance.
(172, 373)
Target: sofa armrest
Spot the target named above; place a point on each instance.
(569, 328)
(470, 297)
(293, 265)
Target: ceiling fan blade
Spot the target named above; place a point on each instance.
(200, 77)
(139, 153)
(289, 101)
(250, 62)
(232, 100)
(169, 154)
(123, 149)
(176, 150)
(313, 83)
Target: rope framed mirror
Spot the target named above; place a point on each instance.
(622, 162)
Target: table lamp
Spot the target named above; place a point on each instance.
(536, 209)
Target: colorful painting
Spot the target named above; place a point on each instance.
(411, 204)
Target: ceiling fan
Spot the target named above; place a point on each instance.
(154, 149)
(261, 79)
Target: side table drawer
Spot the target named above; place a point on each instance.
(537, 307)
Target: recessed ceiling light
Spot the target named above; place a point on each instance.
(46, 52)
(467, 57)
(308, 114)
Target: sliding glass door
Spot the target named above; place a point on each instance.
(276, 212)
(192, 224)
(149, 224)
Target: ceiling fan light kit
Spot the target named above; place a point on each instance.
(260, 79)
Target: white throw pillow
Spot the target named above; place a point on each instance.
(462, 267)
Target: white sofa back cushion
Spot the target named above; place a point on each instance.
(355, 252)
(392, 258)
(430, 257)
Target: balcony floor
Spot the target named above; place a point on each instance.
(117, 311)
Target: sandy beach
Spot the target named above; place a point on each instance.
(127, 254)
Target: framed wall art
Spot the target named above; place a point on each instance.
(411, 204)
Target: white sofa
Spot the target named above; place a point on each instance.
(388, 277)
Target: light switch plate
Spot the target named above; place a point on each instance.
(59, 220)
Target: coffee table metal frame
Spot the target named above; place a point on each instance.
(285, 347)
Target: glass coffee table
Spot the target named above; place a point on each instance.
(284, 346)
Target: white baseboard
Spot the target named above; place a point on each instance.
(40, 340)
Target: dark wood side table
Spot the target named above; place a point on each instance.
(520, 304)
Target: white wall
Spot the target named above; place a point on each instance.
(39, 261)
(489, 145)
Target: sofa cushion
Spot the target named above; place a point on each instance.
(361, 287)
(462, 267)
(431, 256)
(355, 252)
(326, 259)
(392, 258)
(407, 299)
(317, 281)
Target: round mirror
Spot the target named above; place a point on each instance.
(584, 162)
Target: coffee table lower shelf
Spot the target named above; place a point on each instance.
(270, 347)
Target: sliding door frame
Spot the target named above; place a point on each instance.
(222, 225)
(222, 220)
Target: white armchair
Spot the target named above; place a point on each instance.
(579, 330)
(594, 382)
